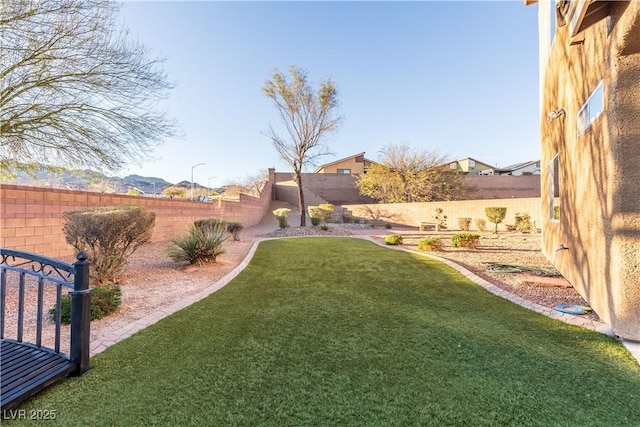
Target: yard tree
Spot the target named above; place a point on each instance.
(406, 175)
(308, 117)
(175, 192)
(75, 90)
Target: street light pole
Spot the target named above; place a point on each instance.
(209, 184)
(192, 168)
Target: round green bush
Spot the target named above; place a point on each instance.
(465, 240)
(105, 299)
(393, 239)
(430, 244)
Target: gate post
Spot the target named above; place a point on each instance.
(81, 315)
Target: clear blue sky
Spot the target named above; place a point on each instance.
(457, 77)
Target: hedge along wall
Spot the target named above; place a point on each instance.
(31, 217)
(412, 214)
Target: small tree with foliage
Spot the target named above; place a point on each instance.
(282, 214)
(495, 215)
(404, 175)
(108, 236)
(175, 192)
(308, 117)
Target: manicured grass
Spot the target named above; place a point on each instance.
(341, 332)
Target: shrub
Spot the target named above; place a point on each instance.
(495, 215)
(347, 217)
(327, 210)
(105, 299)
(108, 236)
(320, 214)
(523, 223)
(234, 228)
(393, 239)
(200, 245)
(387, 226)
(282, 214)
(208, 224)
(464, 223)
(465, 240)
(316, 214)
(481, 224)
(430, 244)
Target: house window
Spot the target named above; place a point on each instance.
(591, 109)
(344, 171)
(554, 188)
(453, 166)
(472, 164)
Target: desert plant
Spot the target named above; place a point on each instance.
(347, 217)
(282, 214)
(523, 223)
(108, 236)
(430, 244)
(200, 245)
(105, 299)
(327, 209)
(495, 215)
(465, 240)
(234, 228)
(393, 239)
(316, 214)
(208, 224)
(481, 224)
(440, 218)
(388, 226)
(464, 223)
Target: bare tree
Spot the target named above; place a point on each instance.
(308, 118)
(406, 175)
(74, 89)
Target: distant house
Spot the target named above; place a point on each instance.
(467, 166)
(525, 168)
(356, 164)
(590, 139)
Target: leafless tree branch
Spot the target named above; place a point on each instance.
(75, 90)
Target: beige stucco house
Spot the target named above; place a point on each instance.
(356, 164)
(467, 166)
(590, 137)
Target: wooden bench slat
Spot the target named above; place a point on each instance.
(27, 370)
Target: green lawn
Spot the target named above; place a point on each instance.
(342, 332)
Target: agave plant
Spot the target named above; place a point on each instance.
(200, 245)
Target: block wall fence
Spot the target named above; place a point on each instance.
(31, 217)
(412, 214)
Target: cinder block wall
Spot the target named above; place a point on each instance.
(412, 214)
(329, 187)
(31, 217)
(340, 189)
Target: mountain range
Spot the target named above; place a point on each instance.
(84, 179)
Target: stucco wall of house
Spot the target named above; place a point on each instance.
(354, 164)
(31, 217)
(599, 192)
